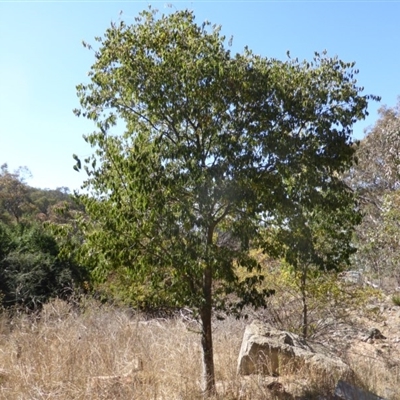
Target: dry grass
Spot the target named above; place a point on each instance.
(58, 354)
(378, 370)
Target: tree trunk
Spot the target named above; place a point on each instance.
(304, 300)
(206, 339)
(206, 334)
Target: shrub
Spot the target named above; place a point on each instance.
(31, 271)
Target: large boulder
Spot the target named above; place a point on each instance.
(269, 351)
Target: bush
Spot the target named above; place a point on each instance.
(31, 271)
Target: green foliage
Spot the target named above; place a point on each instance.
(31, 268)
(213, 145)
(207, 136)
(328, 296)
(314, 238)
(318, 236)
(31, 271)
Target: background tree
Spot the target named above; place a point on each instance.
(209, 142)
(14, 194)
(378, 155)
(375, 177)
(315, 240)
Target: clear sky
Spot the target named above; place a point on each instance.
(42, 60)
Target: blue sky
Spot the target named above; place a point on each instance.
(42, 60)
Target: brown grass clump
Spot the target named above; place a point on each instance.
(57, 355)
(100, 352)
(105, 353)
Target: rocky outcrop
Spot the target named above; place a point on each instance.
(269, 351)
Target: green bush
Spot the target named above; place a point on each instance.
(31, 271)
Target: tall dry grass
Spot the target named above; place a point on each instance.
(55, 355)
(100, 352)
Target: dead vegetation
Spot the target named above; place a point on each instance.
(99, 352)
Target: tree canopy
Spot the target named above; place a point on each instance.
(212, 145)
(375, 177)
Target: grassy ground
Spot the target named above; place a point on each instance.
(56, 356)
(61, 354)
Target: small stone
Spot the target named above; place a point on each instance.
(372, 308)
(375, 333)
(276, 387)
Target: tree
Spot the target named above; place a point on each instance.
(314, 240)
(376, 179)
(210, 140)
(378, 155)
(14, 194)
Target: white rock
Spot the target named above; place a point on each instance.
(269, 351)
